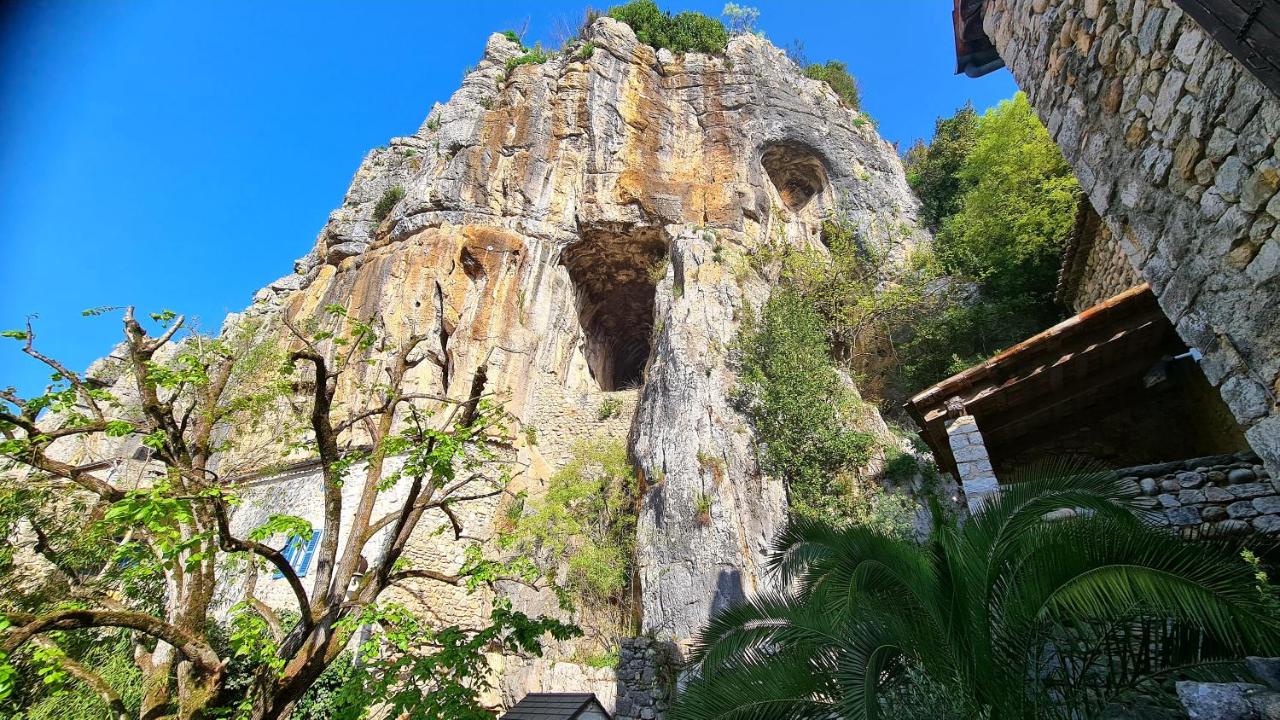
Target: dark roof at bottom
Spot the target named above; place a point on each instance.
(553, 706)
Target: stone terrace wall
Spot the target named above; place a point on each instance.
(1227, 493)
(1107, 272)
(646, 678)
(1175, 144)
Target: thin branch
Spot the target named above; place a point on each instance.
(230, 543)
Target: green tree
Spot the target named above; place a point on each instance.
(1001, 200)
(146, 559)
(1016, 211)
(933, 170)
(1055, 600)
(586, 522)
(802, 409)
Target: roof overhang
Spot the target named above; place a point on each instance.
(975, 54)
(1046, 383)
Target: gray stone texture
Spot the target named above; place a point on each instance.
(1198, 492)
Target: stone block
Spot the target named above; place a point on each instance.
(1230, 179)
(1148, 486)
(1261, 186)
(1218, 701)
(1242, 510)
(1190, 479)
(1169, 501)
(1269, 524)
(1267, 504)
(1191, 497)
(1213, 513)
(1218, 495)
(1240, 475)
(1184, 516)
(1250, 490)
(1232, 527)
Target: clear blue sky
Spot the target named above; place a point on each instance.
(181, 154)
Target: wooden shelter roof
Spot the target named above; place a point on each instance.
(1043, 383)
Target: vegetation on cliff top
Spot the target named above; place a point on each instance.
(683, 32)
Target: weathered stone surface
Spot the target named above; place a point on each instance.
(1221, 701)
(1241, 510)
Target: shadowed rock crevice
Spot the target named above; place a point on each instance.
(612, 269)
(796, 172)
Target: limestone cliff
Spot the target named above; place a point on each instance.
(600, 224)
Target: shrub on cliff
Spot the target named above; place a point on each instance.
(802, 410)
(1014, 615)
(587, 522)
(836, 74)
(387, 202)
(683, 32)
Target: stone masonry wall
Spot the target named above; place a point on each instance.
(646, 678)
(1226, 493)
(1175, 143)
(1107, 272)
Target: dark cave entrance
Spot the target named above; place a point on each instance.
(796, 172)
(612, 269)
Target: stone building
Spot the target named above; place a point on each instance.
(1167, 111)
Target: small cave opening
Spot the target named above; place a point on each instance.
(612, 269)
(796, 172)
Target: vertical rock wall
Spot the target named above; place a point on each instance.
(589, 231)
(1176, 144)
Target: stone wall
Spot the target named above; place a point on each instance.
(1107, 272)
(647, 672)
(1175, 144)
(1225, 493)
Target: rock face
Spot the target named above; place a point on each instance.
(589, 233)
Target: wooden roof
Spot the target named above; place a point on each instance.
(554, 706)
(1044, 383)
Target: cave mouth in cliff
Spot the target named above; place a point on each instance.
(796, 172)
(612, 271)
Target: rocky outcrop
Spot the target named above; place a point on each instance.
(595, 229)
